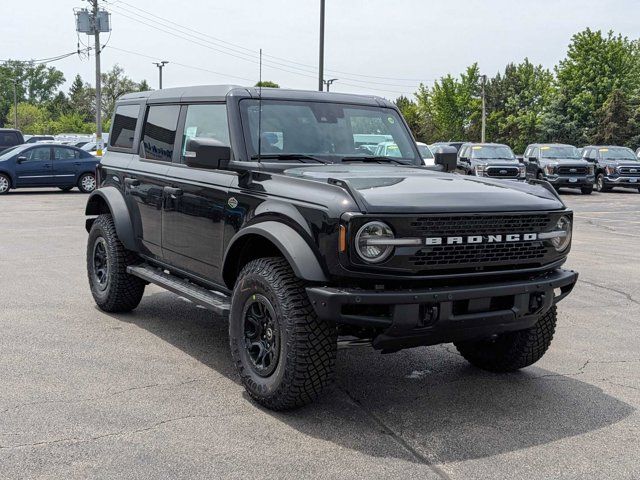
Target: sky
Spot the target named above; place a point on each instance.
(385, 48)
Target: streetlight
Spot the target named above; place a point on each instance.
(160, 66)
(329, 82)
(321, 60)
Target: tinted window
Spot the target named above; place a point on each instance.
(501, 152)
(8, 139)
(559, 152)
(160, 132)
(60, 153)
(617, 153)
(124, 126)
(206, 121)
(39, 154)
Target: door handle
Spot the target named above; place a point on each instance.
(173, 192)
(132, 182)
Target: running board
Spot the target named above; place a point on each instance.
(216, 302)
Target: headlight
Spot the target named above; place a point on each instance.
(479, 169)
(370, 242)
(550, 169)
(523, 171)
(563, 228)
(611, 170)
(592, 169)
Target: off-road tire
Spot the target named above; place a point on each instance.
(307, 345)
(81, 183)
(586, 190)
(122, 292)
(513, 350)
(5, 184)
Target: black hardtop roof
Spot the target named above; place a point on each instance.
(10, 130)
(202, 93)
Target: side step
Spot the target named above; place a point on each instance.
(218, 303)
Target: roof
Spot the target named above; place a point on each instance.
(551, 145)
(9, 130)
(487, 144)
(221, 92)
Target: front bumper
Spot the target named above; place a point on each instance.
(622, 181)
(440, 315)
(568, 181)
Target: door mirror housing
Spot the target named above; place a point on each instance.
(21, 159)
(207, 153)
(446, 157)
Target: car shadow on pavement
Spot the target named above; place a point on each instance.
(428, 398)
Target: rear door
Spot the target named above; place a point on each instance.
(196, 199)
(66, 165)
(34, 168)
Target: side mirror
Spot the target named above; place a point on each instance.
(447, 157)
(21, 159)
(207, 153)
(520, 158)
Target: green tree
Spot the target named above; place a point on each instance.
(82, 99)
(613, 120)
(144, 86)
(115, 84)
(267, 84)
(411, 114)
(32, 119)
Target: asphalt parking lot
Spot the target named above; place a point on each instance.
(152, 394)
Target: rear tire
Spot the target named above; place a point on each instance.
(284, 354)
(586, 190)
(113, 289)
(512, 350)
(87, 183)
(5, 184)
(65, 189)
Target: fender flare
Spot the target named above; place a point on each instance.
(290, 243)
(117, 206)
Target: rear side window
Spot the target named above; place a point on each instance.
(60, 153)
(9, 139)
(159, 134)
(124, 126)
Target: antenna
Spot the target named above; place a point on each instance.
(260, 108)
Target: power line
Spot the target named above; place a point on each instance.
(50, 59)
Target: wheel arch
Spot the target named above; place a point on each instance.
(109, 200)
(271, 238)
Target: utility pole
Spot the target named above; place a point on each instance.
(329, 82)
(160, 66)
(483, 79)
(15, 103)
(321, 62)
(96, 32)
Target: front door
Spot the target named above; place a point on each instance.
(196, 200)
(34, 168)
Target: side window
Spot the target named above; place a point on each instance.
(527, 152)
(159, 135)
(40, 154)
(205, 121)
(535, 152)
(124, 126)
(8, 139)
(60, 153)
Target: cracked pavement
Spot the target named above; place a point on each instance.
(152, 394)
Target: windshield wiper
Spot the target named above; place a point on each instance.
(372, 159)
(286, 156)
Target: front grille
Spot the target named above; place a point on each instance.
(573, 170)
(453, 255)
(502, 172)
(441, 226)
(630, 171)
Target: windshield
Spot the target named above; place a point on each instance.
(617, 153)
(425, 153)
(88, 147)
(489, 152)
(326, 132)
(562, 152)
(11, 151)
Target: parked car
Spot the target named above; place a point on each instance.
(614, 166)
(47, 165)
(301, 236)
(92, 148)
(10, 138)
(38, 138)
(426, 154)
(493, 160)
(559, 164)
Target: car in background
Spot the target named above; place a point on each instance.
(38, 138)
(92, 148)
(10, 137)
(559, 164)
(494, 160)
(456, 145)
(614, 166)
(426, 154)
(370, 142)
(47, 165)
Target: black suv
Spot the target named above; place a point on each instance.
(614, 166)
(493, 160)
(261, 206)
(559, 165)
(10, 138)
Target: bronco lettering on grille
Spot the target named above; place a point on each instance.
(471, 239)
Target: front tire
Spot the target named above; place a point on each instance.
(113, 289)
(5, 184)
(512, 350)
(284, 354)
(87, 183)
(65, 189)
(600, 185)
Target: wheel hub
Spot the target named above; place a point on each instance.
(4, 184)
(89, 183)
(261, 335)
(100, 263)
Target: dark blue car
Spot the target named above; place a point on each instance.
(47, 165)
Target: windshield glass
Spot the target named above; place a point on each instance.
(11, 151)
(328, 132)
(565, 151)
(489, 152)
(425, 153)
(617, 153)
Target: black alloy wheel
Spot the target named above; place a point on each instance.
(261, 335)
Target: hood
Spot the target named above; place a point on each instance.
(394, 189)
(569, 161)
(497, 161)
